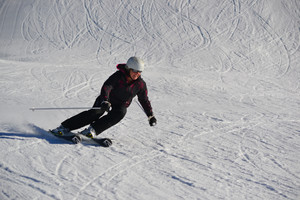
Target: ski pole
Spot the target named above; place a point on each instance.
(65, 108)
(139, 105)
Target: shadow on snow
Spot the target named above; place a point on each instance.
(39, 133)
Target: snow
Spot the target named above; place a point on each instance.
(223, 79)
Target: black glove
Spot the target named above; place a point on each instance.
(152, 121)
(105, 105)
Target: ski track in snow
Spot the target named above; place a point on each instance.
(223, 80)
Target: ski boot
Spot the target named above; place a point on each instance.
(89, 132)
(60, 131)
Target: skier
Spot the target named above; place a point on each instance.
(116, 95)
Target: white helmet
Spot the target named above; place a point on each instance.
(135, 63)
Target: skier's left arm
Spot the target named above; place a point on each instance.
(144, 101)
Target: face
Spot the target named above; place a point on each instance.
(134, 75)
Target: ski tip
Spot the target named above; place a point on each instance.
(104, 142)
(76, 139)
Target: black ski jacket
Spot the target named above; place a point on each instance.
(118, 92)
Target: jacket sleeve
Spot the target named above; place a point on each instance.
(109, 84)
(106, 89)
(144, 100)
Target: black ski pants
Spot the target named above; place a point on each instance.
(93, 117)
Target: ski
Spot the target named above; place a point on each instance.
(72, 137)
(104, 142)
(78, 138)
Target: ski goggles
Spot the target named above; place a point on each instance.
(136, 71)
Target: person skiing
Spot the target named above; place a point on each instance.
(116, 95)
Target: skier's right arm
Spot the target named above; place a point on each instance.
(106, 89)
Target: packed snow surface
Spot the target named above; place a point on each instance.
(223, 79)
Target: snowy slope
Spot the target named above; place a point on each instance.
(223, 79)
